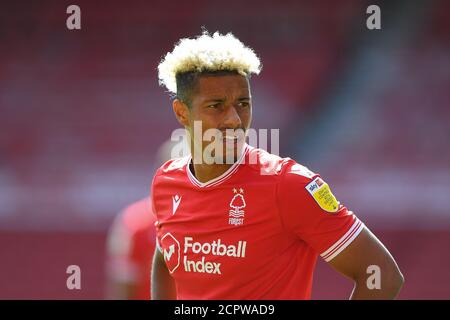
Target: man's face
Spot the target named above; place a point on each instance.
(221, 102)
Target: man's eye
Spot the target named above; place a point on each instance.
(214, 106)
(244, 104)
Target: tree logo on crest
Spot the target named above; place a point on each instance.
(237, 203)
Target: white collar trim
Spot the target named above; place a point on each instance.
(220, 178)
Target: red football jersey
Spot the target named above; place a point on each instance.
(131, 244)
(253, 233)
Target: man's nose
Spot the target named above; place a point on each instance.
(232, 119)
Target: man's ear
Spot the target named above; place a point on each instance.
(181, 111)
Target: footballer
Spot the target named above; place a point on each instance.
(252, 227)
(130, 247)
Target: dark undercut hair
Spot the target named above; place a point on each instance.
(187, 82)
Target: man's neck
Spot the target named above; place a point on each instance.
(207, 172)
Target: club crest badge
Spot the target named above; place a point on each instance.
(237, 205)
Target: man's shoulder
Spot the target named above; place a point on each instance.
(269, 164)
(138, 215)
(172, 167)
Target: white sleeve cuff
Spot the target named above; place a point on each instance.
(343, 242)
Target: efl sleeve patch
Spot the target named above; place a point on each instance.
(320, 190)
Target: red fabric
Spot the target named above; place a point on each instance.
(132, 246)
(269, 254)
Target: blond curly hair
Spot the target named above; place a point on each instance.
(210, 53)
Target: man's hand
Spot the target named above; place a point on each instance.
(355, 261)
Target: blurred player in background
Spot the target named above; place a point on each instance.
(131, 245)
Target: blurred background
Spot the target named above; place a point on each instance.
(82, 117)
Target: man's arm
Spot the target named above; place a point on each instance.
(365, 251)
(163, 285)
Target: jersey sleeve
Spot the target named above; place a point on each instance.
(311, 212)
